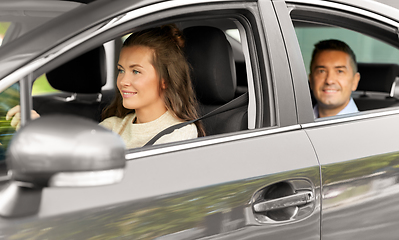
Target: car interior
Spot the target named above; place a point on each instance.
(207, 48)
(377, 88)
(80, 83)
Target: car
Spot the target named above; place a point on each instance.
(267, 169)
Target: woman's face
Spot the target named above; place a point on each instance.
(138, 82)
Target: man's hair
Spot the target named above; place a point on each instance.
(336, 45)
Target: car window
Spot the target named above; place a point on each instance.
(3, 29)
(8, 99)
(75, 96)
(367, 49)
(375, 48)
(42, 86)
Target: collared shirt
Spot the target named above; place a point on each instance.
(350, 108)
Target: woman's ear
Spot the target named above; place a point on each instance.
(163, 84)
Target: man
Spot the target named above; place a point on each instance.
(333, 76)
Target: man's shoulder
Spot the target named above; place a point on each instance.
(350, 108)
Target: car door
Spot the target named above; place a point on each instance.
(263, 182)
(358, 153)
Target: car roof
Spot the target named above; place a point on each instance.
(27, 15)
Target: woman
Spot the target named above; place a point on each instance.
(154, 90)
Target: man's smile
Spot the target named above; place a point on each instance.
(330, 90)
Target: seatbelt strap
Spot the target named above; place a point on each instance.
(235, 103)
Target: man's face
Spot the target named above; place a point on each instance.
(332, 80)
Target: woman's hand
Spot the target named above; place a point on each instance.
(15, 114)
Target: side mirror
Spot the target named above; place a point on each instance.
(58, 151)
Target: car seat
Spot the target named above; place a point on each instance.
(214, 78)
(80, 81)
(377, 78)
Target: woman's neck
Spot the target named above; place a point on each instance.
(143, 116)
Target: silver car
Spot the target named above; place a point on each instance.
(267, 169)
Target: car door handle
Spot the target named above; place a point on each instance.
(297, 199)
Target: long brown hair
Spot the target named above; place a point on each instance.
(171, 65)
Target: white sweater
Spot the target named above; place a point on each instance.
(137, 134)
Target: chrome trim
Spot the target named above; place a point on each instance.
(80, 38)
(304, 200)
(299, 198)
(184, 146)
(343, 119)
(343, 7)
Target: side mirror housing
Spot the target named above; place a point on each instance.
(59, 151)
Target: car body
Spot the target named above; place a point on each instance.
(286, 175)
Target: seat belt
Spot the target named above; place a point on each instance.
(235, 103)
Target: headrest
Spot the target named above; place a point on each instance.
(210, 55)
(377, 77)
(84, 74)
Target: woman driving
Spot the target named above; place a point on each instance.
(154, 90)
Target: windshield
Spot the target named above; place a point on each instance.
(19, 17)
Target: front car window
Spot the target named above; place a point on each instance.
(8, 99)
(77, 98)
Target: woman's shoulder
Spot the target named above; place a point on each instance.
(190, 129)
(171, 119)
(187, 132)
